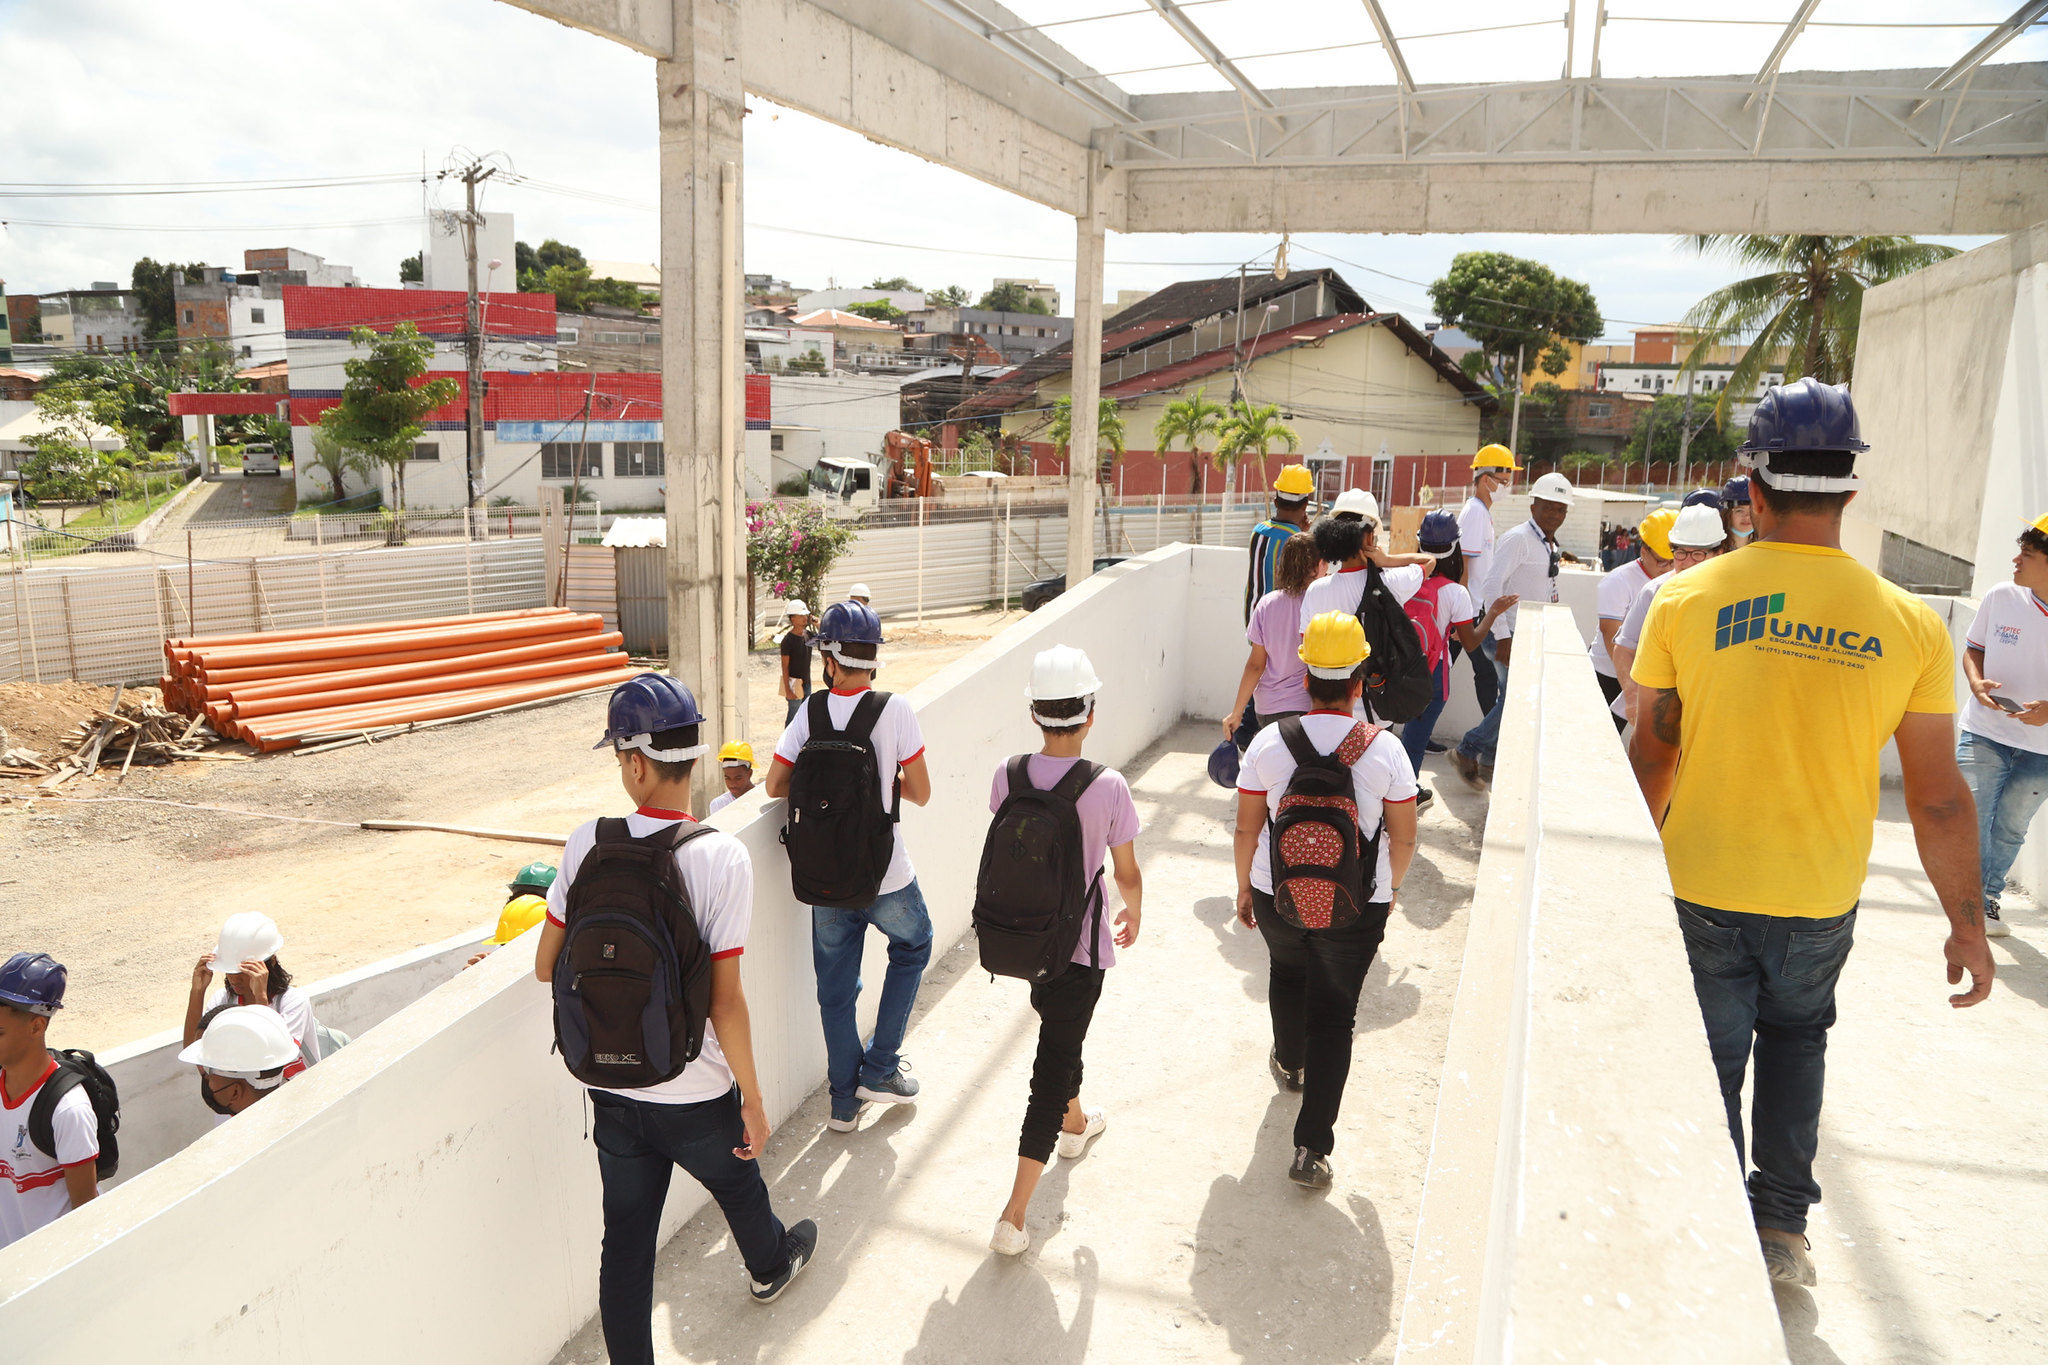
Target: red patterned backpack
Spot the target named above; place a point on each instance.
(1323, 867)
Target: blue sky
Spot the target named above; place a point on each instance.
(207, 90)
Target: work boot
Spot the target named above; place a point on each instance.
(1486, 775)
(1785, 1257)
(1311, 1170)
(1467, 766)
(1994, 924)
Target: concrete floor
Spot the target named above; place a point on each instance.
(1178, 1236)
(1929, 1243)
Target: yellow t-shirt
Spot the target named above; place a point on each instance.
(1794, 664)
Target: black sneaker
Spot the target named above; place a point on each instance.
(1994, 925)
(1435, 748)
(1310, 1170)
(1289, 1080)
(1424, 798)
(802, 1241)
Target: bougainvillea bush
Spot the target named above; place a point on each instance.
(791, 546)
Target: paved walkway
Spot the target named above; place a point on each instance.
(1178, 1236)
(1930, 1244)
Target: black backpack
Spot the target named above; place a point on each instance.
(1033, 893)
(633, 981)
(1398, 685)
(1323, 867)
(840, 840)
(76, 1067)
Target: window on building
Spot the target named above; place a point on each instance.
(558, 460)
(775, 441)
(617, 338)
(426, 450)
(1599, 409)
(188, 317)
(636, 459)
(247, 352)
(565, 336)
(255, 315)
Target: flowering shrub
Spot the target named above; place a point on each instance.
(791, 546)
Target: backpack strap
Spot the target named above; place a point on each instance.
(1354, 744)
(866, 712)
(42, 1113)
(1295, 736)
(1018, 771)
(612, 829)
(1077, 780)
(818, 711)
(676, 835)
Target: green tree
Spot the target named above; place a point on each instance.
(895, 282)
(1251, 431)
(575, 291)
(336, 460)
(881, 310)
(531, 264)
(1505, 302)
(411, 270)
(64, 466)
(1657, 434)
(1807, 304)
(1109, 431)
(1189, 421)
(951, 296)
(791, 546)
(1012, 298)
(809, 362)
(156, 290)
(384, 404)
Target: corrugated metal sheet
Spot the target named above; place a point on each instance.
(630, 532)
(592, 582)
(643, 598)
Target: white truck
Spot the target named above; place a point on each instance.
(845, 487)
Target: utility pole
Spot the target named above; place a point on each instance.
(1685, 432)
(1515, 422)
(471, 176)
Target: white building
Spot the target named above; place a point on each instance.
(773, 348)
(445, 266)
(1709, 382)
(909, 300)
(819, 415)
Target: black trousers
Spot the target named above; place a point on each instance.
(1066, 1006)
(1313, 994)
(1610, 688)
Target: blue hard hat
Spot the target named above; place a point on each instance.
(1736, 491)
(1804, 415)
(1438, 533)
(33, 982)
(853, 623)
(1703, 497)
(645, 705)
(1223, 764)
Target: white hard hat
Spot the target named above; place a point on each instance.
(244, 1041)
(1061, 674)
(862, 591)
(1357, 502)
(1698, 528)
(251, 936)
(795, 607)
(1552, 487)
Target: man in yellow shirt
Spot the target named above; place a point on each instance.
(1772, 678)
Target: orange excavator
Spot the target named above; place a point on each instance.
(909, 461)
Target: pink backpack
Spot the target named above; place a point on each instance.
(1422, 610)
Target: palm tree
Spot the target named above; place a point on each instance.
(1109, 431)
(1190, 420)
(1253, 432)
(1807, 303)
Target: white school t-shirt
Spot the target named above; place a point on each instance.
(1475, 539)
(296, 1008)
(2012, 630)
(1630, 636)
(32, 1189)
(897, 740)
(1617, 590)
(721, 801)
(719, 878)
(1453, 607)
(1381, 774)
(1345, 589)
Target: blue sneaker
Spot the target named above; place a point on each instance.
(844, 1118)
(894, 1088)
(802, 1241)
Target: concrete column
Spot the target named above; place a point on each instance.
(699, 103)
(1092, 228)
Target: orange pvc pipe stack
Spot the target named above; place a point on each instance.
(276, 688)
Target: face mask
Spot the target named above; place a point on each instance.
(206, 1093)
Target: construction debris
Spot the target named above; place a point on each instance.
(132, 724)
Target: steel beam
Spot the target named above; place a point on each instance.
(1393, 48)
(1769, 70)
(1192, 34)
(2023, 18)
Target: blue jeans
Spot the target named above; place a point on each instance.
(2010, 785)
(638, 1145)
(837, 937)
(1482, 739)
(1415, 734)
(1766, 987)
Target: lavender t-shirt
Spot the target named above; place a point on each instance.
(1276, 625)
(1108, 818)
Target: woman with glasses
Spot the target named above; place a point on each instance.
(1696, 537)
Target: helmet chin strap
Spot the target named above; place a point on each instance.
(645, 744)
(1759, 462)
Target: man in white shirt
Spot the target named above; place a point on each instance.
(1618, 588)
(2003, 749)
(1493, 472)
(851, 636)
(1525, 567)
(736, 766)
(38, 1187)
(709, 1118)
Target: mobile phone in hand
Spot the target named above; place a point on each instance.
(2006, 704)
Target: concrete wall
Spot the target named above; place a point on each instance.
(1582, 1200)
(161, 1112)
(440, 1159)
(1950, 379)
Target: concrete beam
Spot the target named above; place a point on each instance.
(1090, 239)
(1910, 195)
(643, 25)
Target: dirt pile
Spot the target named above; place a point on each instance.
(39, 715)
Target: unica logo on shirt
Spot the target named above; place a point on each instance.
(1755, 618)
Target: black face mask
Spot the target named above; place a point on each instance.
(206, 1093)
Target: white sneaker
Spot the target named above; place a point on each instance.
(1009, 1240)
(1994, 925)
(1072, 1145)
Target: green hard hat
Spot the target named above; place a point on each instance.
(539, 876)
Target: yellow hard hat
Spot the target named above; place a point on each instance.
(2040, 523)
(737, 749)
(1334, 645)
(1294, 482)
(520, 914)
(1656, 531)
(1494, 457)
